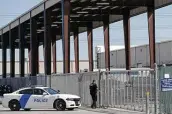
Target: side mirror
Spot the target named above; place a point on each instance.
(58, 91)
(44, 93)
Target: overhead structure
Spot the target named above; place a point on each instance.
(60, 19)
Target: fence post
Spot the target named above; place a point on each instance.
(99, 89)
(147, 102)
(155, 82)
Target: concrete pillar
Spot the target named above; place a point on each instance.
(90, 45)
(54, 53)
(126, 24)
(106, 41)
(4, 56)
(66, 65)
(12, 54)
(76, 50)
(33, 45)
(47, 42)
(151, 29)
(21, 50)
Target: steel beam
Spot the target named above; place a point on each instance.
(90, 45)
(76, 50)
(126, 24)
(21, 50)
(4, 56)
(54, 53)
(151, 29)
(33, 46)
(106, 42)
(47, 42)
(67, 6)
(12, 54)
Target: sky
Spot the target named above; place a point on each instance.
(10, 9)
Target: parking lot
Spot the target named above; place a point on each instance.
(77, 111)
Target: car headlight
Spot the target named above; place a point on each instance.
(70, 99)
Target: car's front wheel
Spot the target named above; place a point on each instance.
(60, 105)
(14, 105)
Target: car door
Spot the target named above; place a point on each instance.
(26, 98)
(38, 100)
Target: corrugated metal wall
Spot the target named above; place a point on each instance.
(139, 55)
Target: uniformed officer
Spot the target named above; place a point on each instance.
(93, 93)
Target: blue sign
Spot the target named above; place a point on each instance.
(166, 84)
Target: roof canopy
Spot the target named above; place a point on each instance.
(82, 12)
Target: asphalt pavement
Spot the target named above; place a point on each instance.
(76, 111)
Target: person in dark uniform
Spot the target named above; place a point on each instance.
(93, 93)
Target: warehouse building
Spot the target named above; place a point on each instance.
(139, 56)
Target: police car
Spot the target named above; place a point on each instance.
(39, 98)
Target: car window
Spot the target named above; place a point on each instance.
(26, 91)
(51, 91)
(38, 91)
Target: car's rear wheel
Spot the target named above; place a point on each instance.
(14, 105)
(60, 105)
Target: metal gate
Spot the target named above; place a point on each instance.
(128, 89)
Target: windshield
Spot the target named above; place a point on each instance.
(51, 91)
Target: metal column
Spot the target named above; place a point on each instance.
(12, 53)
(126, 24)
(54, 53)
(47, 41)
(29, 56)
(106, 42)
(33, 52)
(66, 36)
(4, 55)
(21, 50)
(76, 50)
(90, 45)
(151, 28)
(37, 56)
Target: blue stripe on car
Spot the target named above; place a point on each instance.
(23, 100)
